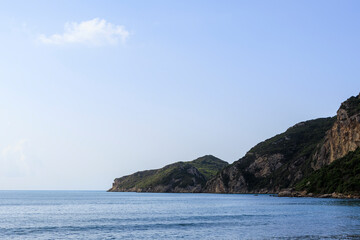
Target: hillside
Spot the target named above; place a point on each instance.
(341, 176)
(178, 177)
(276, 163)
(283, 161)
(316, 156)
(344, 135)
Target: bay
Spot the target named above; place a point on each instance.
(104, 215)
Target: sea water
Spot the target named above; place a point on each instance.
(103, 215)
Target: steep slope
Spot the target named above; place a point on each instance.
(282, 161)
(178, 177)
(341, 176)
(343, 137)
(274, 164)
(315, 156)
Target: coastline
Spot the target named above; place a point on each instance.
(284, 193)
(289, 193)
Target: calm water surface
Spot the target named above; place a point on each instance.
(102, 215)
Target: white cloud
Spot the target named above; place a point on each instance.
(95, 32)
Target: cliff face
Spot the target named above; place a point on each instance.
(178, 177)
(274, 164)
(282, 161)
(343, 137)
(300, 158)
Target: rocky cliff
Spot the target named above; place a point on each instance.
(313, 155)
(274, 164)
(282, 161)
(178, 177)
(343, 137)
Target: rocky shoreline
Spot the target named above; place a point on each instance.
(291, 193)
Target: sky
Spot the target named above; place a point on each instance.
(94, 90)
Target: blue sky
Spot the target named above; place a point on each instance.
(134, 85)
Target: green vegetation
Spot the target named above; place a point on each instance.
(296, 145)
(341, 176)
(208, 165)
(352, 106)
(283, 161)
(180, 174)
(299, 140)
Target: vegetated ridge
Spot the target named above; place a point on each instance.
(178, 177)
(274, 164)
(313, 157)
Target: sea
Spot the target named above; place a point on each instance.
(113, 215)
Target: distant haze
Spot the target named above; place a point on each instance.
(93, 90)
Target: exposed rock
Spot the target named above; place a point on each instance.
(341, 176)
(285, 193)
(230, 180)
(263, 166)
(281, 162)
(274, 164)
(278, 165)
(343, 137)
(292, 193)
(325, 196)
